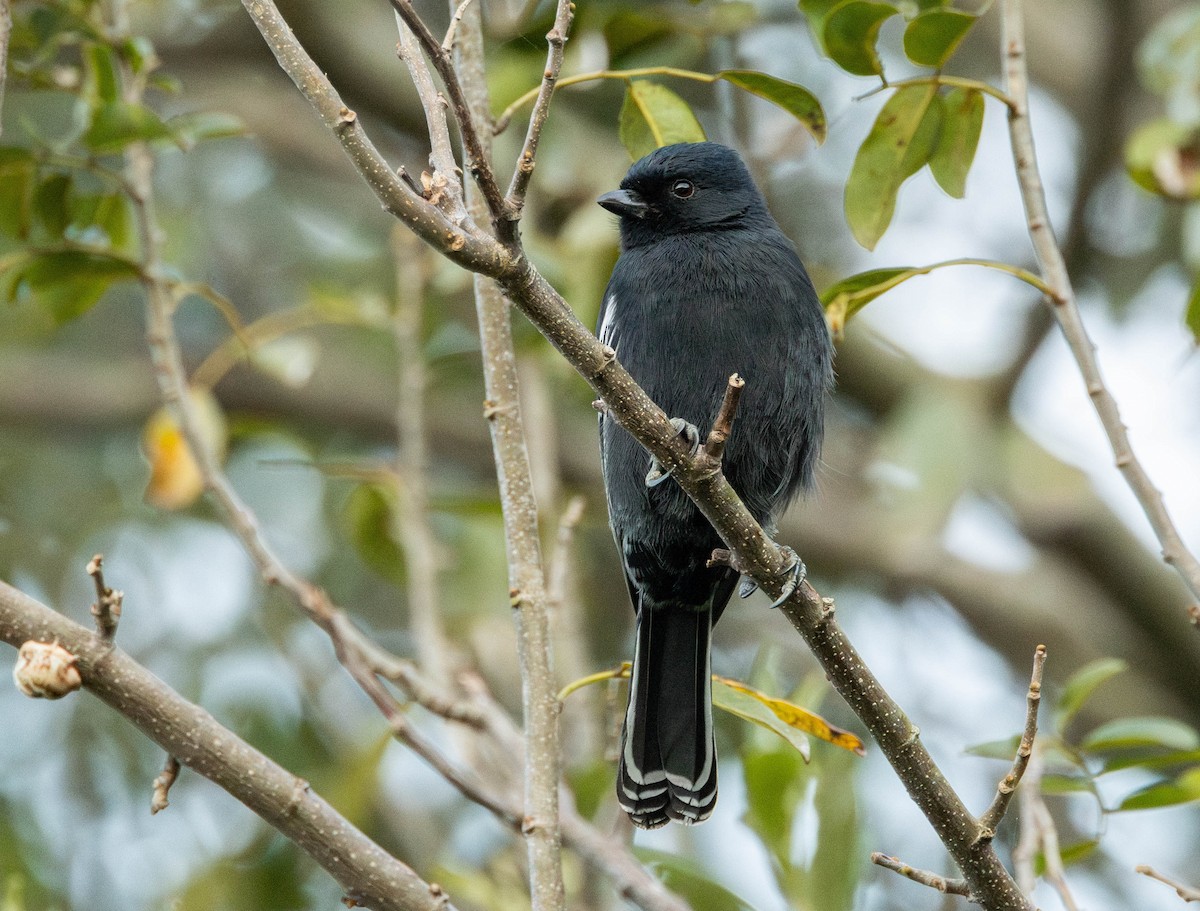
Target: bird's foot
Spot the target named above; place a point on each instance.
(796, 572)
(656, 475)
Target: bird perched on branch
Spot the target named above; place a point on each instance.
(706, 285)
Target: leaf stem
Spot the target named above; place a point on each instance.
(960, 82)
(507, 114)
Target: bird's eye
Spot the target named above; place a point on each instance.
(683, 188)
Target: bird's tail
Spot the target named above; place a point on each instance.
(668, 763)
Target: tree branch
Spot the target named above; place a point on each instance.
(1065, 306)
(449, 194)
(526, 573)
(714, 446)
(1187, 893)
(1038, 833)
(370, 876)
(107, 608)
(412, 517)
(555, 39)
(924, 877)
(990, 820)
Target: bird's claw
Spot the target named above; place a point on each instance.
(656, 475)
(796, 572)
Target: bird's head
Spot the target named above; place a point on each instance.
(688, 187)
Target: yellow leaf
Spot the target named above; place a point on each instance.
(790, 715)
(175, 479)
(799, 718)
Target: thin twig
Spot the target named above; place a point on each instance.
(560, 557)
(478, 161)
(447, 192)
(1065, 306)
(448, 41)
(990, 820)
(526, 572)
(1187, 893)
(1038, 833)
(556, 38)
(924, 877)
(107, 607)
(412, 515)
(722, 427)
(162, 785)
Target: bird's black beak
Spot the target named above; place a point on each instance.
(625, 203)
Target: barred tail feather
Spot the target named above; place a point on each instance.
(668, 763)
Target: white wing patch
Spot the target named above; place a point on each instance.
(609, 323)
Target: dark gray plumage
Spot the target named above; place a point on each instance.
(706, 285)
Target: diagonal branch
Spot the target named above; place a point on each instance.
(990, 820)
(449, 194)
(1187, 893)
(370, 875)
(924, 877)
(555, 39)
(1065, 306)
(478, 160)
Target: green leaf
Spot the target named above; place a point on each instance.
(653, 116)
(845, 298)
(996, 749)
(51, 203)
(368, 519)
(1073, 854)
(962, 123)
(691, 881)
(1147, 731)
(116, 125)
(932, 37)
(849, 33)
(1151, 760)
(795, 99)
(1192, 316)
(66, 283)
(745, 706)
(1066, 784)
(1083, 683)
(1184, 789)
(772, 792)
(189, 129)
(102, 219)
(899, 143)
(103, 80)
(591, 785)
(17, 172)
(139, 52)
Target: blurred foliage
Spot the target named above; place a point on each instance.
(284, 284)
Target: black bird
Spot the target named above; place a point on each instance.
(706, 285)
